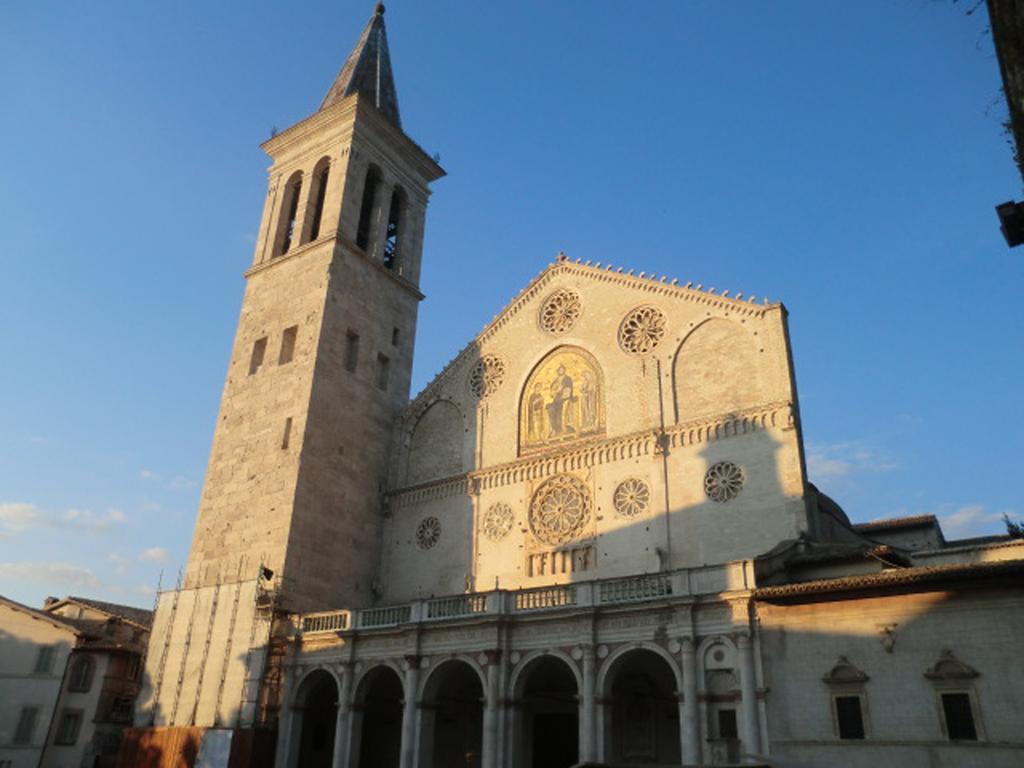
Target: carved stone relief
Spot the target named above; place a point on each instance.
(560, 311)
(642, 330)
(560, 509)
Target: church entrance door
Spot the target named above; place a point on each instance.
(318, 700)
(377, 727)
(452, 717)
(548, 716)
(640, 691)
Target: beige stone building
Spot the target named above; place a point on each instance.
(591, 538)
(69, 675)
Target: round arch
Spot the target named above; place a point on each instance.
(314, 720)
(451, 718)
(639, 686)
(377, 717)
(435, 671)
(545, 686)
(715, 368)
(562, 399)
(436, 443)
(518, 677)
(615, 657)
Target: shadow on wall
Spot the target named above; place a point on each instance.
(227, 744)
(578, 503)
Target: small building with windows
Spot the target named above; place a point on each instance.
(69, 675)
(590, 539)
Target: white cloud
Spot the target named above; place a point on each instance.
(120, 563)
(147, 590)
(154, 555)
(176, 483)
(831, 460)
(63, 575)
(971, 520)
(16, 517)
(87, 520)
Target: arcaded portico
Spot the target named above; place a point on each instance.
(507, 683)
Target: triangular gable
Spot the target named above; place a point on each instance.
(641, 282)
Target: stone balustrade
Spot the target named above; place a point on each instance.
(684, 583)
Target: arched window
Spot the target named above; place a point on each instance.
(395, 219)
(81, 675)
(364, 233)
(317, 196)
(289, 211)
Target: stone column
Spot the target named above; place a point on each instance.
(342, 726)
(290, 721)
(748, 689)
(587, 706)
(410, 711)
(490, 757)
(689, 730)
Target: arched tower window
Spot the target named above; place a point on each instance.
(318, 194)
(365, 230)
(395, 221)
(289, 211)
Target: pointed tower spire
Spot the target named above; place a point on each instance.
(368, 71)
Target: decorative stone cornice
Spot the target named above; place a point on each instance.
(600, 451)
(561, 267)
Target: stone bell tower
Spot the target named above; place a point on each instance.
(323, 353)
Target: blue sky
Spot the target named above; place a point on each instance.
(843, 157)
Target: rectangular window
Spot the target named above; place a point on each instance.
(288, 345)
(383, 371)
(70, 723)
(44, 661)
(394, 337)
(26, 726)
(727, 724)
(259, 351)
(287, 436)
(849, 717)
(134, 665)
(121, 710)
(351, 351)
(959, 717)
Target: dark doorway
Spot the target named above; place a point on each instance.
(452, 732)
(379, 708)
(319, 716)
(550, 716)
(644, 711)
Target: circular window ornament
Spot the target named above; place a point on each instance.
(632, 497)
(487, 375)
(723, 481)
(559, 510)
(497, 521)
(428, 533)
(642, 330)
(560, 311)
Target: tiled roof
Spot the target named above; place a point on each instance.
(897, 522)
(138, 616)
(893, 577)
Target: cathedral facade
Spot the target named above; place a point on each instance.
(590, 539)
